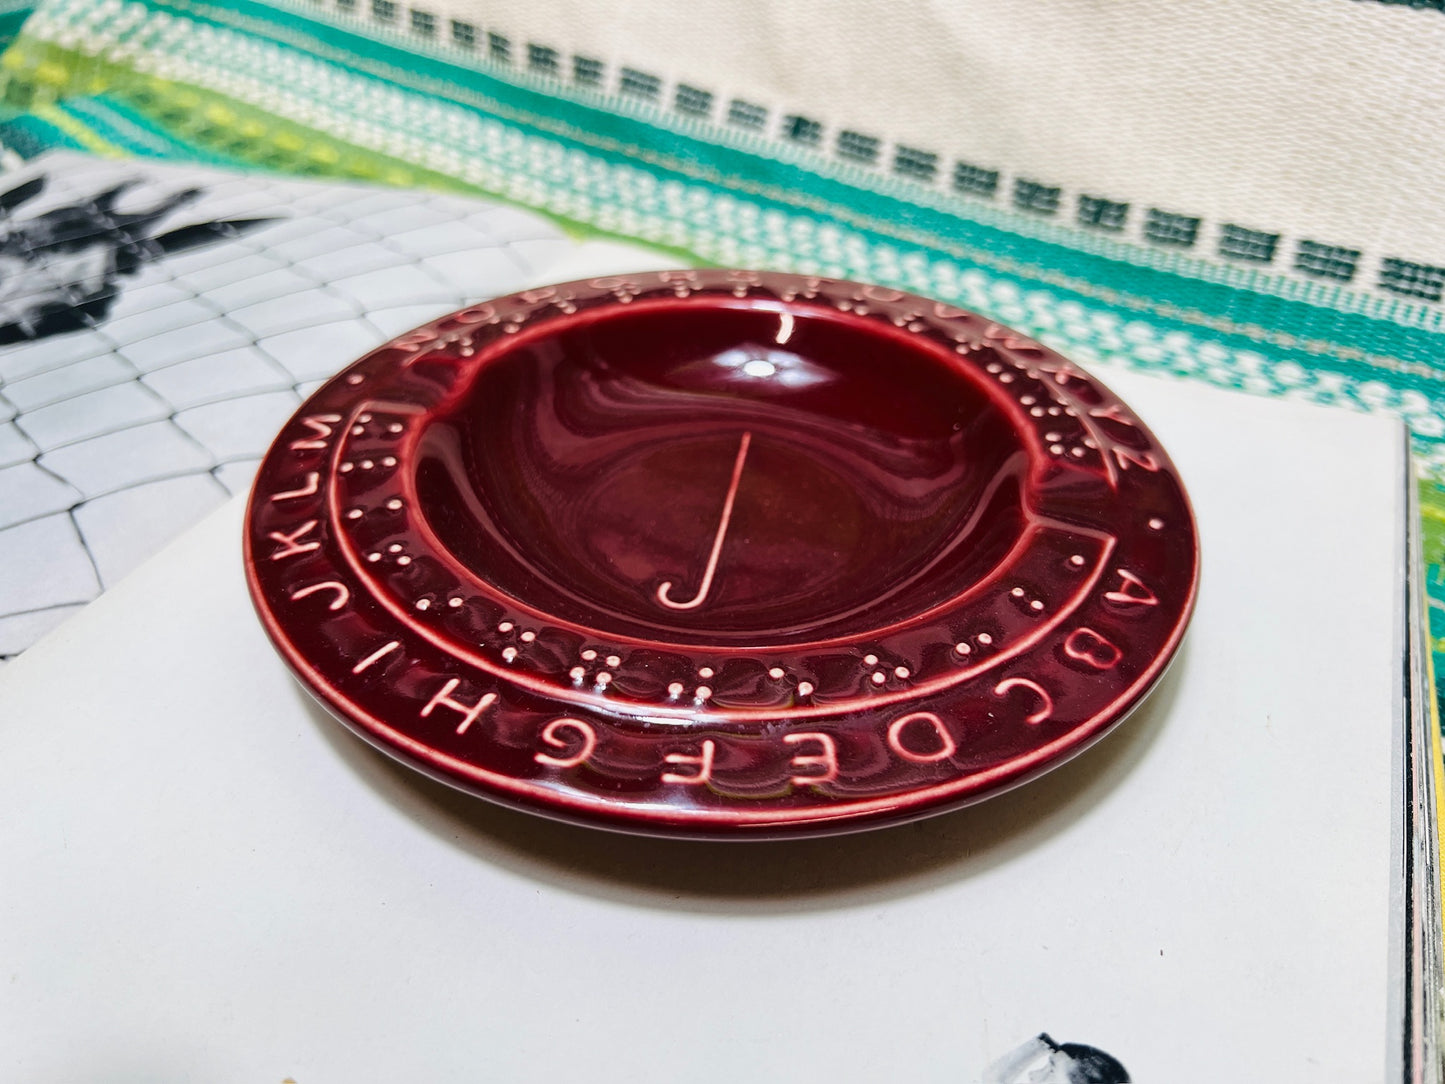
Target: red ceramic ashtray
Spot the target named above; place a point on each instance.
(722, 553)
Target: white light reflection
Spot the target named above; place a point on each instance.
(780, 367)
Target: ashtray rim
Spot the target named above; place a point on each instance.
(687, 819)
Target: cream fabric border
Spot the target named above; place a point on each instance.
(1318, 119)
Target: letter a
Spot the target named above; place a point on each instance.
(1132, 591)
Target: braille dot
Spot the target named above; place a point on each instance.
(394, 427)
(1036, 604)
(394, 504)
(706, 672)
(879, 677)
(604, 679)
(1057, 449)
(985, 639)
(1054, 412)
(1156, 523)
(614, 660)
(354, 513)
(395, 547)
(403, 560)
(423, 603)
(962, 648)
(1090, 442)
(354, 379)
(1007, 378)
(509, 653)
(805, 688)
(995, 367)
(373, 557)
(703, 692)
(589, 655)
(357, 430)
(675, 689)
(363, 418)
(775, 673)
(1077, 560)
(528, 636)
(367, 464)
(1052, 437)
(1027, 400)
(1078, 453)
(1017, 592)
(1036, 412)
(454, 603)
(900, 672)
(346, 468)
(870, 660)
(576, 673)
(505, 626)
(388, 461)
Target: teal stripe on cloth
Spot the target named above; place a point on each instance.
(118, 124)
(27, 135)
(12, 18)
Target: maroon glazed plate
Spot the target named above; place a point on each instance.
(722, 554)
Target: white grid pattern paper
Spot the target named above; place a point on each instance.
(117, 435)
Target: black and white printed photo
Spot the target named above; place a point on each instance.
(1041, 1060)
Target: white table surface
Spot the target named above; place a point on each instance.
(208, 879)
